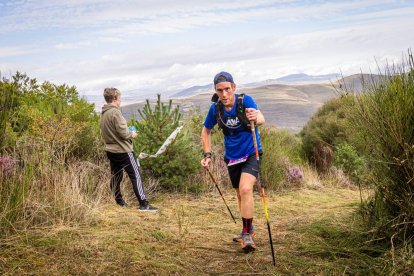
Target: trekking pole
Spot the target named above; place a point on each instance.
(252, 127)
(215, 183)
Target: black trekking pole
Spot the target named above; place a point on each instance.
(252, 127)
(215, 183)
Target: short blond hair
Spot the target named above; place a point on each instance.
(111, 94)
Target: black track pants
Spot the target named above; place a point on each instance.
(125, 161)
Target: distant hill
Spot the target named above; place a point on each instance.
(284, 105)
(355, 83)
(294, 79)
(193, 90)
(307, 78)
(289, 79)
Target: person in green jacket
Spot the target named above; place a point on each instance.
(118, 147)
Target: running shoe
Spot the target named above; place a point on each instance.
(238, 238)
(147, 208)
(247, 243)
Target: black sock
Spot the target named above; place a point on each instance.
(247, 224)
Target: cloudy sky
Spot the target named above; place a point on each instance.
(145, 47)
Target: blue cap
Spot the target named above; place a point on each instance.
(223, 77)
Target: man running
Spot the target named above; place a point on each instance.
(118, 147)
(233, 113)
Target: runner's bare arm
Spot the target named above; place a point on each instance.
(205, 139)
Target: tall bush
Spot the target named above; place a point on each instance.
(326, 129)
(49, 136)
(9, 104)
(386, 117)
(54, 114)
(180, 159)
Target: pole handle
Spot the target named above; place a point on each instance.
(256, 148)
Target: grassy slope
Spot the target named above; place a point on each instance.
(193, 236)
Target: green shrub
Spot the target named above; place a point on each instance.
(181, 158)
(9, 104)
(52, 114)
(328, 128)
(348, 159)
(385, 115)
(51, 135)
(281, 151)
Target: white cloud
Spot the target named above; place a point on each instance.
(167, 16)
(16, 51)
(122, 43)
(76, 45)
(321, 52)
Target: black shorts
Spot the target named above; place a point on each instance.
(250, 166)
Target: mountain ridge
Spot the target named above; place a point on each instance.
(288, 79)
(284, 105)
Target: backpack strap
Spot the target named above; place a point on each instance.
(240, 113)
(220, 117)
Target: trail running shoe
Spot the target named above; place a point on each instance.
(238, 238)
(247, 243)
(147, 208)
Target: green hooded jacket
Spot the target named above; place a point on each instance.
(114, 130)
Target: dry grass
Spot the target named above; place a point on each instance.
(188, 236)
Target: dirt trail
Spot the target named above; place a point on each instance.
(188, 236)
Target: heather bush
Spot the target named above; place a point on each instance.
(7, 165)
(295, 174)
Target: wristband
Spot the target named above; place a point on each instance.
(207, 155)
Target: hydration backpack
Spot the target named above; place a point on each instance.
(240, 112)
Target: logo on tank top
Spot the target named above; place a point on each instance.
(232, 122)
